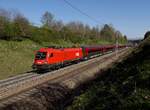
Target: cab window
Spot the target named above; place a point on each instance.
(41, 55)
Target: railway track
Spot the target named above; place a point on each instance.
(17, 79)
(14, 77)
(96, 66)
(13, 86)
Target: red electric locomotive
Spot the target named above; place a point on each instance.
(49, 58)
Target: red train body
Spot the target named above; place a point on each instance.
(48, 58)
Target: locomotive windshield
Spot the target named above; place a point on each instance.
(40, 55)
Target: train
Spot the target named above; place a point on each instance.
(50, 58)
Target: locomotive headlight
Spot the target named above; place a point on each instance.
(39, 62)
(45, 62)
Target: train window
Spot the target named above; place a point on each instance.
(51, 55)
(41, 55)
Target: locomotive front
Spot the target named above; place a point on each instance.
(41, 59)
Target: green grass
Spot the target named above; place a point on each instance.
(16, 57)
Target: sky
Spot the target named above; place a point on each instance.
(131, 17)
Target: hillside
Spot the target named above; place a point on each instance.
(16, 57)
(126, 86)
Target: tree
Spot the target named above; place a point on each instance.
(58, 25)
(4, 23)
(87, 30)
(108, 33)
(95, 32)
(21, 26)
(48, 20)
(147, 34)
(5, 14)
(125, 38)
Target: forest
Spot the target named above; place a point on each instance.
(15, 26)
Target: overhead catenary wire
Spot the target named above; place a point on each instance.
(81, 12)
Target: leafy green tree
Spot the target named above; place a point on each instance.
(108, 32)
(21, 26)
(4, 23)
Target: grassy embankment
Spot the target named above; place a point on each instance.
(124, 87)
(16, 57)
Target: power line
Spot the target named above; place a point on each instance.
(81, 12)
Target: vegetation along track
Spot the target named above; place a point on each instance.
(20, 84)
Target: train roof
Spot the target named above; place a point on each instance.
(52, 48)
(97, 46)
(56, 49)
